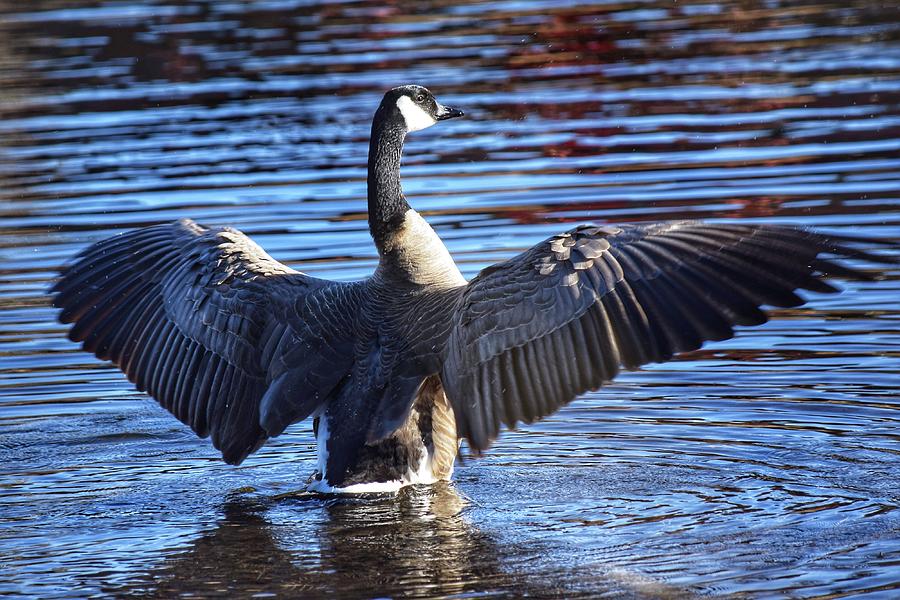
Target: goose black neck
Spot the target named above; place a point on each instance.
(387, 206)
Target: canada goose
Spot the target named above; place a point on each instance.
(397, 368)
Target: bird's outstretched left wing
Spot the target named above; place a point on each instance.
(226, 338)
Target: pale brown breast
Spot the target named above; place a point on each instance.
(415, 253)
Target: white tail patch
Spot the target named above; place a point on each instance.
(422, 475)
(416, 118)
(376, 487)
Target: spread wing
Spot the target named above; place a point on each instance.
(211, 326)
(532, 333)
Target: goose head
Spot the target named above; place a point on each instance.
(413, 107)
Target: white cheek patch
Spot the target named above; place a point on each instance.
(415, 117)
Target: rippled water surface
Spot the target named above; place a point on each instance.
(763, 466)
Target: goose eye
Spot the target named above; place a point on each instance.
(420, 98)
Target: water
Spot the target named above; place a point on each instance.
(762, 466)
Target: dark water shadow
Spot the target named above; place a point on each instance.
(417, 544)
(414, 544)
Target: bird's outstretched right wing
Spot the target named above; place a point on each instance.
(533, 332)
(212, 327)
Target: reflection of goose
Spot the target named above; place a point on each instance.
(418, 539)
(397, 367)
(416, 544)
(409, 544)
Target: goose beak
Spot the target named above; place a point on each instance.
(445, 112)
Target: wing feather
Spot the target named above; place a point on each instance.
(203, 320)
(513, 411)
(522, 391)
(530, 334)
